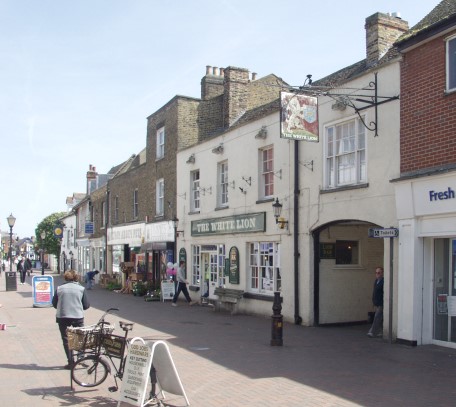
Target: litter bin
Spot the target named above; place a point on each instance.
(11, 281)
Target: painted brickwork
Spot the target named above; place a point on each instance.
(428, 115)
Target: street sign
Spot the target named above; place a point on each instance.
(382, 233)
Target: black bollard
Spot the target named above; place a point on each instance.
(277, 321)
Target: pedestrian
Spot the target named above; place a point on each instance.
(377, 299)
(27, 266)
(70, 300)
(181, 285)
(90, 278)
(21, 270)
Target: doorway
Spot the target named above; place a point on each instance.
(444, 290)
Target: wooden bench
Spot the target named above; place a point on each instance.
(228, 298)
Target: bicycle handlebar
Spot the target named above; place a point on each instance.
(108, 311)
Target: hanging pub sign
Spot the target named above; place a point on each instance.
(298, 117)
(233, 258)
(58, 231)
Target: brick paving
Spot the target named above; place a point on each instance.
(224, 360)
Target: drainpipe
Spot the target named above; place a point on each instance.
(298, 319)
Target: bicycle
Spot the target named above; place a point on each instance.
(97, 348)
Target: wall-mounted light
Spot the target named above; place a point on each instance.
(278, 174)
(218, 149)
(175, 226)
(277, 207)
(191, 159)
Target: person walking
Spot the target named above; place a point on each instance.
(70, 300)
(27, 266)
(181, 285)
(21, 271)
(377, 299)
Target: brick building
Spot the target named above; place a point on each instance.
(426, 188)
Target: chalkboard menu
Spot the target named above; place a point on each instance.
(327, 250)
(233, 260)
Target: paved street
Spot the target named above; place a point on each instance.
(224, 360)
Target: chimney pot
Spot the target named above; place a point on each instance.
(208, 69)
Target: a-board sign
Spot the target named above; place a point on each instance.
(136, 373)
(136, 380)
(43, 291)
(167, 290)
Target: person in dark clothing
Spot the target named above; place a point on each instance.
(21, 270)
(377, 300)
(27, 266)
(70, 300)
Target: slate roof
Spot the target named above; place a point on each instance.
(442, 16)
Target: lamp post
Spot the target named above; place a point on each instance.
(43, 236)
(11, 221)
(71, 259)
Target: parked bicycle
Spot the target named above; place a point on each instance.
(98, 349)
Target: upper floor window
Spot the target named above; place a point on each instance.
(451, 64)
(160, 197)
(104, 218)
(345, 154)
(195, 190)
(135, 204)
(223, 183)
(116, 209)
(161, 142)
(267, 172)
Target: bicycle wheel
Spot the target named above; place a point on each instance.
(90, 371)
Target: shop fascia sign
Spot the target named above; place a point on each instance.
(247, 223)
(160, 232)
(435, 196)
(132, 235)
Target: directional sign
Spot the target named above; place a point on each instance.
(382, 233)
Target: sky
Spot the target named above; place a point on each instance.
(79, 78)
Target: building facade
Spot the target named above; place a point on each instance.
(426, 189)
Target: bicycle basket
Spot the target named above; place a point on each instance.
(86, 337)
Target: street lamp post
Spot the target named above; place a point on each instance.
(11, 221)
(43, 236)
(71, 259)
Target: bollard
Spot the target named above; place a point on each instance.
(277, 321)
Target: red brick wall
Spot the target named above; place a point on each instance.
(428, 115)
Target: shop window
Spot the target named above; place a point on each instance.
(347, 252)
(264, 268)
(196, 269)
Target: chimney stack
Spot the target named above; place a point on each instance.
(382, 30)
(235, 94)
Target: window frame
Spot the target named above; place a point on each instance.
(195, 200)
(340, 148)
(116, 209)
(450, 68)
(222, 184)
(257, 267)
(160, 143)
(160, 197)
(266, 172)
(135, 204)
